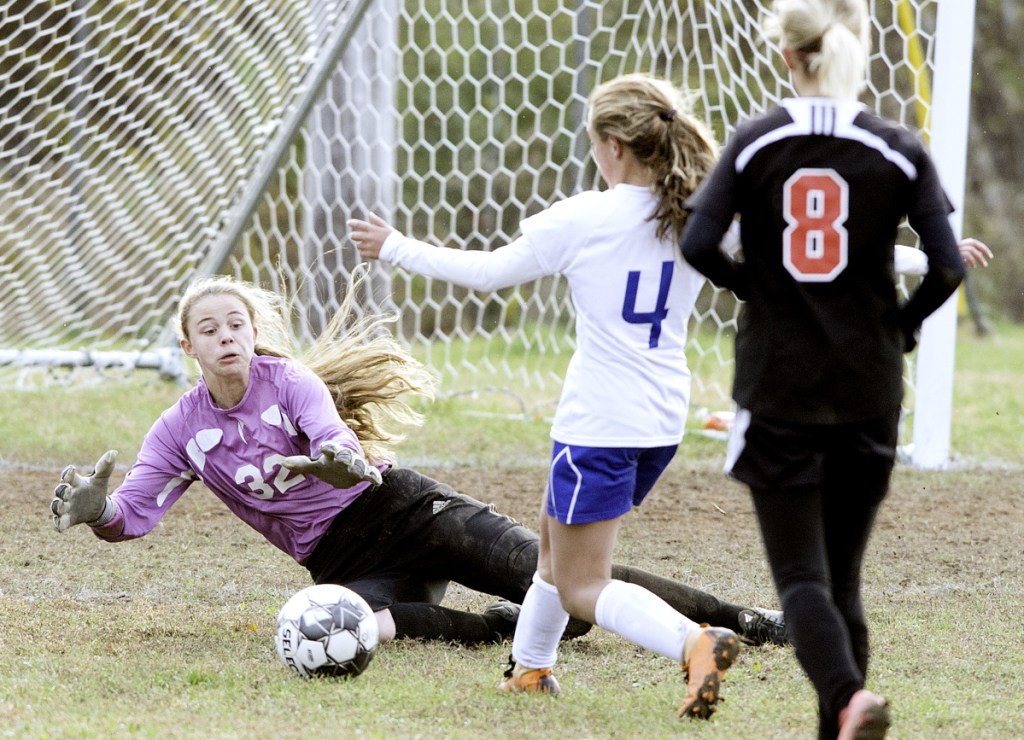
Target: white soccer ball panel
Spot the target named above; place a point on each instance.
(312, 654)
(369, 633)
(343, 646)
(326, 630)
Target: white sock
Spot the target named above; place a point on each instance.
(539, 627)
(643, 618)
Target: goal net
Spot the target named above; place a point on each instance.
(146, 142)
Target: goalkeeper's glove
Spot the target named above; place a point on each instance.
(340, 466)
(83, 498)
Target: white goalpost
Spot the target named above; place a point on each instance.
(146, 142)
(949, 120)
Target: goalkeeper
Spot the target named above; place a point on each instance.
(285, 444)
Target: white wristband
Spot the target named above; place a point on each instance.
(109, 510)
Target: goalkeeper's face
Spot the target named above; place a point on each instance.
(221, 337)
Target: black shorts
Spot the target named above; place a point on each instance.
(405, 540)
(771, 454)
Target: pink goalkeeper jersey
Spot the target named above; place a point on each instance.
(237, 453)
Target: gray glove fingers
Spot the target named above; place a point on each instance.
(352, 461)
(67, 475)
(70, 479)
(298, 463)
(340, 466)
(359, 466)
(373, 475)
(105, 465)
(331, 450)
(345, 457)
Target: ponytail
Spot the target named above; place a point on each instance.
(649, 116)
(830, 38)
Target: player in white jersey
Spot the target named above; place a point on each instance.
(282, 444)
(624, 400)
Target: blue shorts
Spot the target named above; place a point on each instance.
(593, 484)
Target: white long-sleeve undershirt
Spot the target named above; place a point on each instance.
(487, 271)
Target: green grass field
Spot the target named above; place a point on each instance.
(172, 635)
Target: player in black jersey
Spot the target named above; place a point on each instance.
(820, 186)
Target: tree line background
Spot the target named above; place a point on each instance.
(994, 207)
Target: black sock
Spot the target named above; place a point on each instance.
(432, 622)
(699, 606)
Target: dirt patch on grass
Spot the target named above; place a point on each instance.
(937, 533)
(194, 604)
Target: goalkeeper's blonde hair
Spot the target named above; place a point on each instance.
(370, 375)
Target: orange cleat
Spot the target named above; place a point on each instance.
(711, 655)
(529, 681)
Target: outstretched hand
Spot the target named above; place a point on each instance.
(83, 498)
(369, 236)
(340, 466)
(975, 253)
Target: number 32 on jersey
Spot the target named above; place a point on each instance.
(815, 244)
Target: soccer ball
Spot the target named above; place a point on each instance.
(326, 630)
